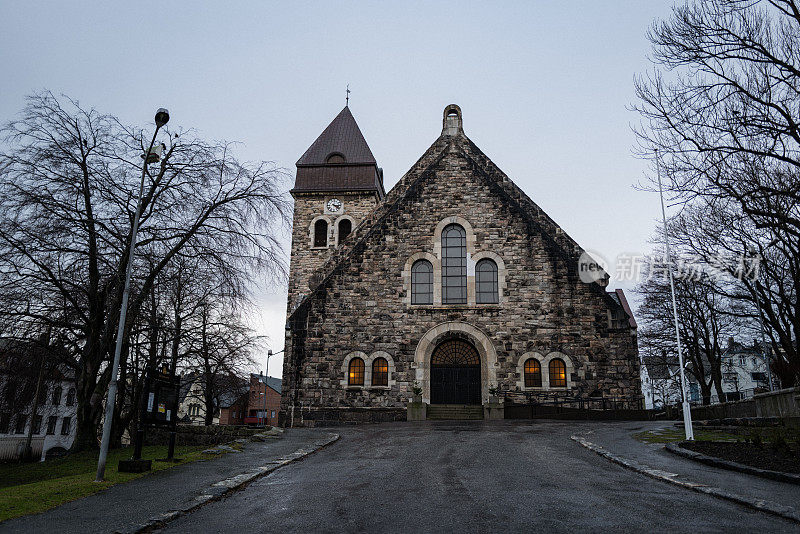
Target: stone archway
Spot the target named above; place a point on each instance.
(455, 330)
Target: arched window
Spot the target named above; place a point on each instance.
(71, 397)
(380, 372)
(57, 396)
(355, 374)
(454, 265)
(345, 227)
(486, 291)
(335, 158)
(558, 373)
(533, 373)
(422, 282)
(321, 233)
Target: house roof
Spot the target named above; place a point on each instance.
(453, 141)
(342, 136)
(658, 368)
(274, 383)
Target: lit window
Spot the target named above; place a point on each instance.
(356, 372)
(422, 282)
(558, 373)
(486, 290)
(454, 265)
(321, 233)
(533, 374)
(380, 372)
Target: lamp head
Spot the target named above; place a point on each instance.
(162, 117)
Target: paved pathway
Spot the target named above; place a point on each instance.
(125, 507)
(654, 455)
(474, 476)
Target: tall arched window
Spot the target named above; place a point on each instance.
(533, 373)
(454, 265)
(57, 396)
(558, 373)
(345, 227)
(486, 291)
(321, 233)
(380, 372)
(355, 374)
(71, 397)
(422, 282)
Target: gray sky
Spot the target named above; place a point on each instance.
(543, 87)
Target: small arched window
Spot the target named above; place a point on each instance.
(422, 282)
(71, 397)
(486, 290)
(558, 373)
(321, 233)
(335, 158)
(57, 396)
(454, 264)
(355, 373)
(533, 373)
(380, 372)
(345, 227)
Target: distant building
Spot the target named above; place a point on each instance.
(54, 426)
(744, 371)
(229, 392)
(257, 407)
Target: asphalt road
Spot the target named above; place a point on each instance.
(471, 476)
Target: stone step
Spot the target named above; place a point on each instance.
(455, 412)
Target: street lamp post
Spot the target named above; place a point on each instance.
(687, 411)
(266, 380)
(161, 118)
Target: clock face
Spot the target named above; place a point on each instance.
(334, 205)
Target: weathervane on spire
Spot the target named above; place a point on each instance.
(347, 97)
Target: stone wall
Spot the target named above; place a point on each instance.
(199, 435)
(362, 304)
(307, 259)
(781, 403)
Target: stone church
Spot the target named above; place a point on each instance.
(454, 283)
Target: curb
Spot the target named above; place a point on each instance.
(733, 466)
(223, 488)
(761, 505)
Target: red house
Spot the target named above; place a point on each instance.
(264, 400)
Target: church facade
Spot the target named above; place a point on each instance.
(454, 284)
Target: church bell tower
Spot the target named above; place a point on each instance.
(338, 183)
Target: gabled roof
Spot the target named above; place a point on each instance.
(274, 383)
(342, 136)
(538, 221)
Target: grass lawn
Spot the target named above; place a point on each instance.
(672, 434)
(36, 487)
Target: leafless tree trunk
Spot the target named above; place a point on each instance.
(68, 178)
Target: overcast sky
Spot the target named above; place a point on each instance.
(543, 86)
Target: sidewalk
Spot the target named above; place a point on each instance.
(127, 507)
(618, 440)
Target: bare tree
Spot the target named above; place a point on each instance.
(723, 109)
(68, 178)
(707, 319)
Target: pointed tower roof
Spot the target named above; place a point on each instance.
(342, 136)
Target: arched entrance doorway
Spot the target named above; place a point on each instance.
(455, 373)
